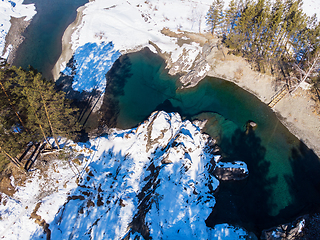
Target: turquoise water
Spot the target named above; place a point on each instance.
(274, 192)
(42, 45)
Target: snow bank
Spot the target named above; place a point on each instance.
(155, 173)
(10, 9)
(135, 23)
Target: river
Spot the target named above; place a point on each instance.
(42, 45)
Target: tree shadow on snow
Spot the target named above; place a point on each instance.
(116, 80)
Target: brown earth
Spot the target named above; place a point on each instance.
(14, 36)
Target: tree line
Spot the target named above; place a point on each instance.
(31, 112)
(275, 37)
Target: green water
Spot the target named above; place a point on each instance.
(275, 191)
(42, 45)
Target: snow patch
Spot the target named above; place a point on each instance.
(91, 63)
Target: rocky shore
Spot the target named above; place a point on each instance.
(14, 37)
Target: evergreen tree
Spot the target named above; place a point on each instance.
(49, 108)
(215, 15)
(259, 33)
(275, 27)
(230, 17)
(31, 110)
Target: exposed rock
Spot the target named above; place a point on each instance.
(251, 126)
(199, 70)
(226, 174)
(288, 231)
(226, 171)
(14, 37)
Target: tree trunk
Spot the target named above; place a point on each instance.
(307, 74)
(41, 128)
(47, 114)
(12, 159)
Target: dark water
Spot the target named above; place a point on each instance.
(42, 45)
(283, 182)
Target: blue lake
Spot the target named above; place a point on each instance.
(283, 181)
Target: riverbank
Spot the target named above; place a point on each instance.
(295, 111)
(67, 51)
(14, 37)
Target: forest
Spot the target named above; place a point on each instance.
(276, 38)
(32, 111)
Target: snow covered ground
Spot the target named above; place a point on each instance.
(152, 180)
(92, 62)
(131, 25)
(9, 9)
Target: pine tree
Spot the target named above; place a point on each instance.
(215, 15)
(31, 110)
(275, 27)
(242, 38)
(50, 108)
(230, 17)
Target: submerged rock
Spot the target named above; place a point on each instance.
(251, 126)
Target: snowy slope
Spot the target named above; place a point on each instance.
(9, 9)
(92, 62)
(130, 24)
(150, 181)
